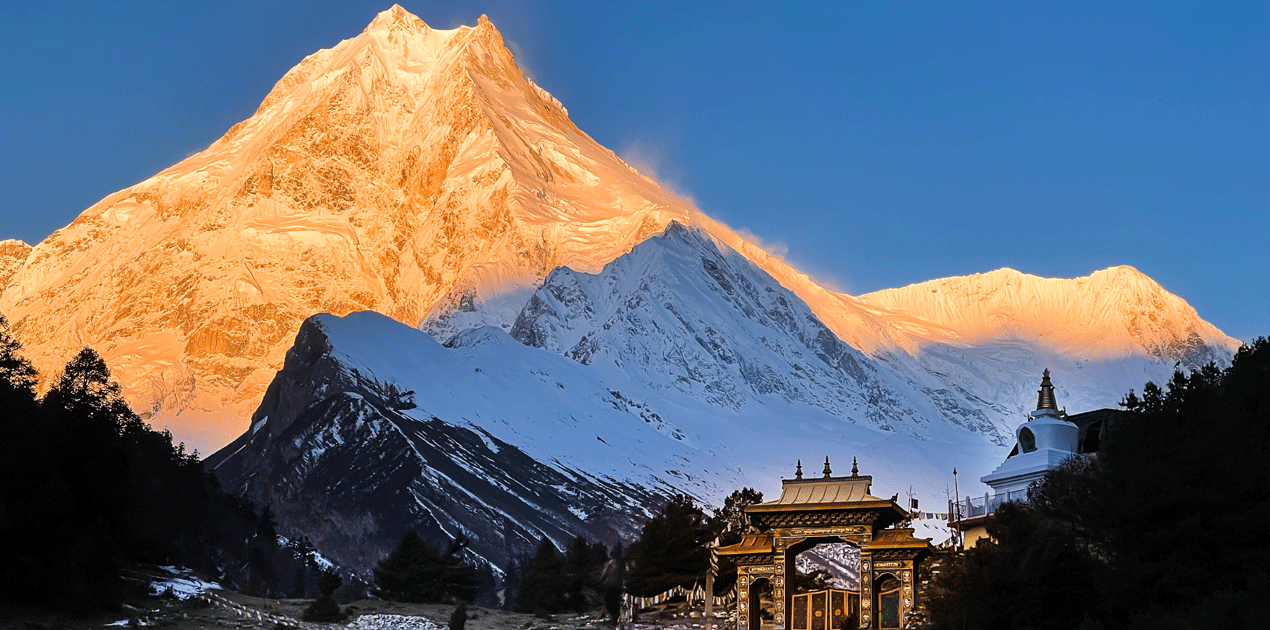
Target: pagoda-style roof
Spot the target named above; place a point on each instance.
(750, 544)
(832, 490)
(898, 539)
(849, 497)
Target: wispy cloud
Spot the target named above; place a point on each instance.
(835, 280)
(777, 248)
(827, 278)
(522, 58)
(652, 159)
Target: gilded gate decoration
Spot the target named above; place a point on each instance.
(821, 510)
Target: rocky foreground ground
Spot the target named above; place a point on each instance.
(212, 608)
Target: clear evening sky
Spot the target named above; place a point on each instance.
(877, 143)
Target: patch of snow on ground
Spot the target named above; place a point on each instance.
(392, 622)
(183, 583)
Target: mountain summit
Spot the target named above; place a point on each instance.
(408, 170)
(401, 168)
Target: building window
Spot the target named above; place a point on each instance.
(1027, 441)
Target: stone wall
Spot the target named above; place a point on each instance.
(927, 570)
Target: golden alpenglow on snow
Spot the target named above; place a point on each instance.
(418, 173)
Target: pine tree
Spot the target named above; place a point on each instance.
(415, 572)
(671, 550)
(17, 375)
(84, 396)
(729, 522)
(543, 587)
(86, 419)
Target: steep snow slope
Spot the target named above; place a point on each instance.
(1101, 335)
(1110, 313)
(685, 368)
(496, 448)
(683, 312)
(407, 170)
(13, 254)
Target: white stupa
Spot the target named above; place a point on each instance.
(1042, 443)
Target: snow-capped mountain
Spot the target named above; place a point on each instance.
(418, 173)
(1110, 313)
(685, 313)
(681, 366)
(12, 254)
(492, 445)
(1105, 334)
(401, 168)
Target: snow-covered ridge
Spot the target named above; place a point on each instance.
(679, 367)
(13, 254)
(411, 171)
(1112, 312)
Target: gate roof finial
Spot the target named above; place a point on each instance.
(828, 472)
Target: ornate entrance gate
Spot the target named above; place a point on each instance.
(828, 510)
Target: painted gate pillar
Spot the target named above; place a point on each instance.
(866, 589)
(747, 595)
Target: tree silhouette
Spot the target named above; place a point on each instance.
(543, 585)
(415, 572)
(671, 550)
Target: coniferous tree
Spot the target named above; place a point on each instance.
(324, 609)
(671, 550)
(415, 572)
(303, 556)
(87, 486)
(543, 589)
(729, 522)
(1180, 482)
(17, 376)
(87, 417)
(581, 573)
(1154, 532)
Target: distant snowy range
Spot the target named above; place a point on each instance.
(680, 367)
(421, 298)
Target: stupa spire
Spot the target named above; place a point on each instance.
(1045, 395)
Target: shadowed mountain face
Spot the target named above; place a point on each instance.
(679, 366)
(348, 460)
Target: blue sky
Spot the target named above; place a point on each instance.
(877, 144)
